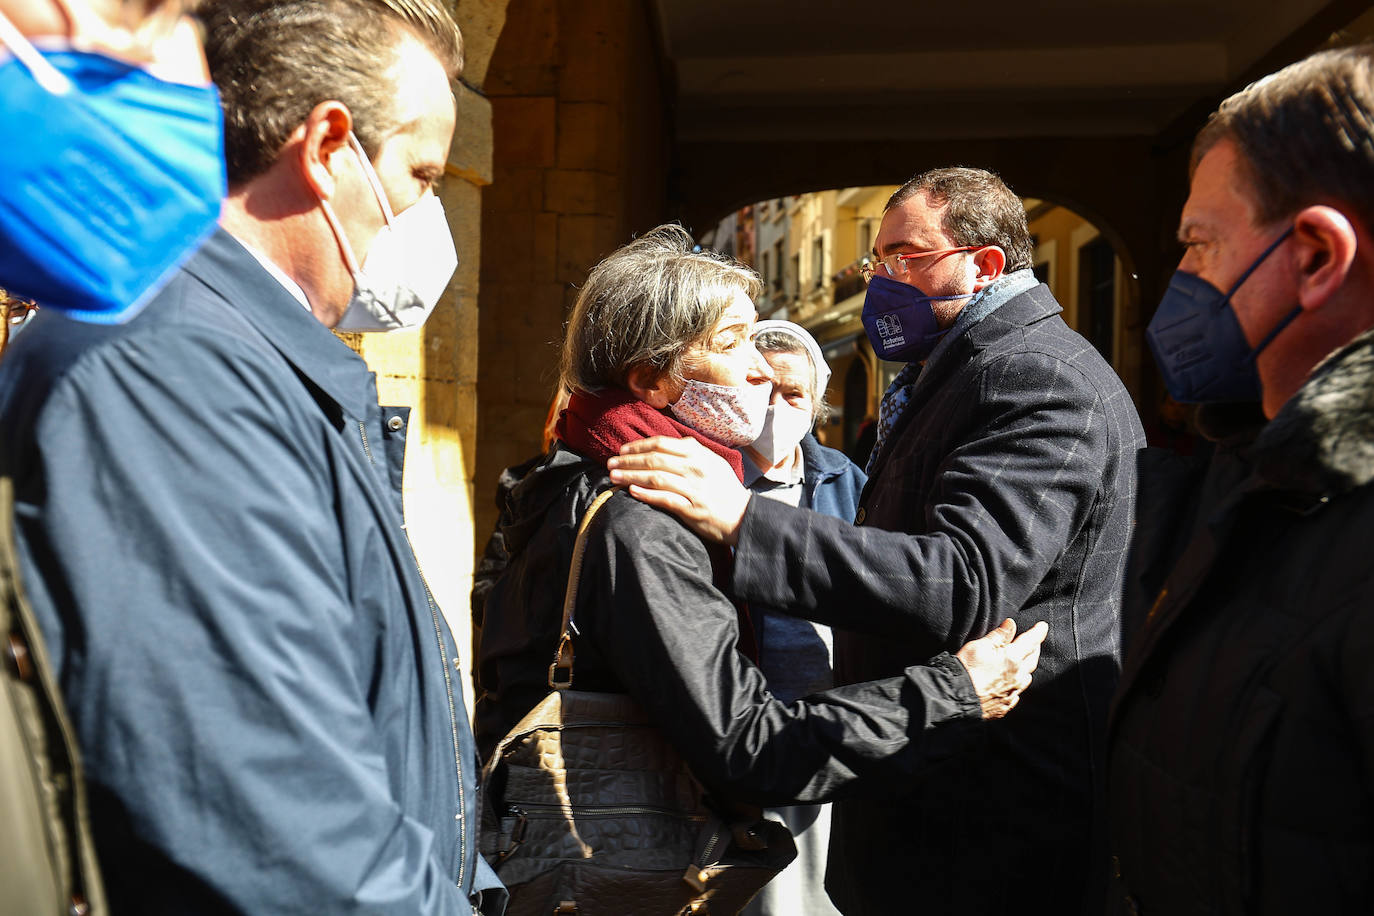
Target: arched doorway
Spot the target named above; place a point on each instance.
(855, 403)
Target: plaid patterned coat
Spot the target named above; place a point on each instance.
(1004, 490)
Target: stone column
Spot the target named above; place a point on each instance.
(579, 104)
(434, 369)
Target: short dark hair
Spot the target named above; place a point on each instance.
(979, 210)
(1305, 134)
(275, 60)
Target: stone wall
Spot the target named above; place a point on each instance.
(435, 369)
(578, 104)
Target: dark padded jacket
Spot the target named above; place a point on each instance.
(1241, 777)
(650, 622)
(1004, 490)
(209, 525)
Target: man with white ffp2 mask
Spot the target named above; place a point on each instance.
(249, 651)
(786, 463)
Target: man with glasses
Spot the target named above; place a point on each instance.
(64, 248)
(1001, 485)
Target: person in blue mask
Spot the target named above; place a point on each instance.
(1241, 760)
(80, 81)
(121, 173)
(1001, 484)
(208, 500)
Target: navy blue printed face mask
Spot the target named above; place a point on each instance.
(899, 320)
(1198, 342)
(111, 178)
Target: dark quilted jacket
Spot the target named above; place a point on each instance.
(1241, 772)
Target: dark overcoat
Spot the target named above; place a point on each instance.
(1004, 490)
(1241, 768)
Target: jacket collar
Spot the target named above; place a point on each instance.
(822, 463)
(224, 265)
(1020, 311)
(1322, 440)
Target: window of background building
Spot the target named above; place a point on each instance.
(796, 273)
(818, 259)
(777, 266)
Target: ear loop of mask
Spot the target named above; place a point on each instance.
(345, 246)
(1287, 319)
(44, 74)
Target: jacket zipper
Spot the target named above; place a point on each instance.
(525, 809)
(362, 431)
(448, 686)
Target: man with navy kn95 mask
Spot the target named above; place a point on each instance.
(208, 509)
(1241, 753)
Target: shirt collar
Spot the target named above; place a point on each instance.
(291, 286)
(788, 478)
(341, 374)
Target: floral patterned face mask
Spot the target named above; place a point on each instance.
(728, 414)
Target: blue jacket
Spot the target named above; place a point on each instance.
(793, 654)
(833, 483)
(209, 523)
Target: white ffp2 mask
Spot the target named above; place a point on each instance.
(783, 427)
(408, 266)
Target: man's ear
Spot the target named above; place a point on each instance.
(989, 262)
(1325, 243)
(652, 386)
(323, 142)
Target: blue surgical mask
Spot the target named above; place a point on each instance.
(1198, 342)
(899, 320)
(111, 178)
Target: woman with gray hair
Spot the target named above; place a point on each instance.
(788, 464)
(660, 343)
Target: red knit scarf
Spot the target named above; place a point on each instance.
(597, 425)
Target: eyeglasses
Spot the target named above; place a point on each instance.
(895, 264)
(17, 311)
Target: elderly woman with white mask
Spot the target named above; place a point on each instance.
(786, 463)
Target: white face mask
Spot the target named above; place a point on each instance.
(726, 414)
(408, 266)
(783, 427)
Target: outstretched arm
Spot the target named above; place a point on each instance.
(670, 636)
(998, 514)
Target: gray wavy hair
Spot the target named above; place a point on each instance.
(646, 304)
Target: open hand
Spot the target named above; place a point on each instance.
(1000, 665)
(685, 478)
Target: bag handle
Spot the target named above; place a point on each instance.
(560, 672)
